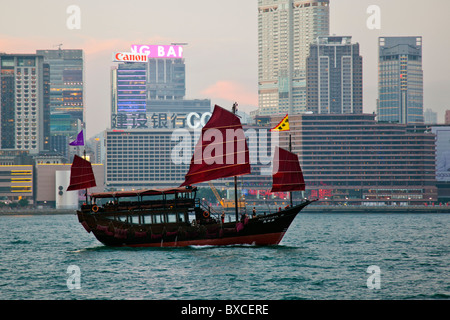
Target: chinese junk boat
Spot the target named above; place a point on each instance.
(162, 217)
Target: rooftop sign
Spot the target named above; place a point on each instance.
(158, 51)
(129, 57)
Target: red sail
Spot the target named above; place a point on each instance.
(287, 174)
(221, 151)
(81, 174)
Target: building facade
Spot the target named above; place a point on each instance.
(334, 77)
(53, 180)
(286, 28)
(447, 117)
(353, 159)
(129, 88)
(161, 158)
(67, 112)
(400, 80)
(24, 102)
(16, 182)
(166, 79)
(151, 95)
(430, 117)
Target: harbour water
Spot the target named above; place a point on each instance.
(322, 256)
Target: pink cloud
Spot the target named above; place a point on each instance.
(231, 91)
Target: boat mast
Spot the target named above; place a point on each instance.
(234, 109)
(85, 190)
(290, 150)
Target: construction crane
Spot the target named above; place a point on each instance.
(226, 203)
(216, 194)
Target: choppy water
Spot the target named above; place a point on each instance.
(322, 256)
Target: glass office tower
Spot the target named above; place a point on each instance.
(400, 80)
(66, 96)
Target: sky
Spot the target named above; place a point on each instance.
(221, 54)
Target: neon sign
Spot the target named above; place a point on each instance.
(158, 51)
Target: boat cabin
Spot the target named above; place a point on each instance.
(148, 206)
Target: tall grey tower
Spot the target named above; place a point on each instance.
(334, 76)
(286, 28)
(400, 80)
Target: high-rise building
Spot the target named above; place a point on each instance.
(24, 102)
(151, 94)
(334, 76)
(430, 117)
(66, 95)
(136, 86)
(129, 93)
(286, 28)
(400, 80)
(447, 117)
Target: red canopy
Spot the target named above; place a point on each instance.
(221, 151)
(287, 174)
(143, 192)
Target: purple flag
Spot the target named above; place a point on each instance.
(79, 141)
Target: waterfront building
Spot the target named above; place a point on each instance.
(67, 112)
(16, 182)
(400, 80)
(286, 28)
(352, 159)
(442, 133)
(24, 102)
(53, 180)
(141, 159)
(160, 158)
(447, 117)
(334, 79)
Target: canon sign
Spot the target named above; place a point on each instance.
(158, 51)
(129, 57)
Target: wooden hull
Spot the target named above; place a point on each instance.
(261, 230)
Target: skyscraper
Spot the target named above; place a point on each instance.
(430, 117)
(334, 76)
(129, 92)
(400, 80)
(286, 28)
(151, 94)
(66, 95)
(24, 102)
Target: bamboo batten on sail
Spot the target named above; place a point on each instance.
(81, 175)
(222, 150)
(287, 174)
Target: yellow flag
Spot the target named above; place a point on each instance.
(282, 126)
